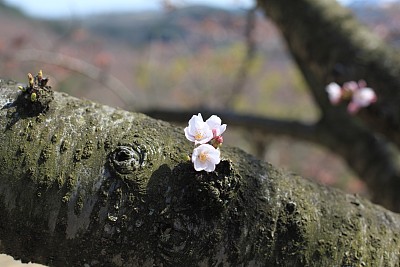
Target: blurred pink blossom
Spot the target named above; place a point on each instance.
(362, 97)
(357, 93)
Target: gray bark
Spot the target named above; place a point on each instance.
(82, 183)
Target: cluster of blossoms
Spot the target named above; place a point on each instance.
(207, 138)
(357, 93)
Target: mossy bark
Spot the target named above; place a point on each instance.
(83, 184)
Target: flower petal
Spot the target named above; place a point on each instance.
(364, 97)
(334, 92)
(215, 124)
(351, 86)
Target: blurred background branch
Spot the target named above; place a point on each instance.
(242, 75)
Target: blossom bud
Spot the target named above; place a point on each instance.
(217, 141)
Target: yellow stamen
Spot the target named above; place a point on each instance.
(203, 157)
(198, 136)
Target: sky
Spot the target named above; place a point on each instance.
(83, 7)
(78, 8)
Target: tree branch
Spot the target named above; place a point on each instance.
(84, 183)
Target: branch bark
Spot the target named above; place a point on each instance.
(86, 184)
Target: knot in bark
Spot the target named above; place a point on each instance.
(126, 159)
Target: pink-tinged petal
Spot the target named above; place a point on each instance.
(334, 93)
(362, 84)
(352, 108)
(351, 86)
(215, 124)
(364, 97)
(361, 98)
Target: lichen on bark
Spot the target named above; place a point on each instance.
(84, 183)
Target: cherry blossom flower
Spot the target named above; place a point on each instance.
(357, 94)
(207, 137)
(334, 93)
(198, 131)
(362, 97)
(205, 157)
(214, 122)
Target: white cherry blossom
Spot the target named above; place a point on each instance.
(205, 157)
(198, 131)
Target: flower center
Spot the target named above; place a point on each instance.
(347, 94)
(203, 156)
(198, 136)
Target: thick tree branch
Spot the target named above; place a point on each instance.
(88, 184)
